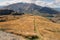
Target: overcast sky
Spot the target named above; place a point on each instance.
(49, 3)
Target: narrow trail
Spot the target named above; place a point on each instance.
(36, 30)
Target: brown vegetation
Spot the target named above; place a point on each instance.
(32, 25)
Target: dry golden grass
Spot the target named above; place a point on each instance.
(23, 25)
(30, 25)
(47, 29)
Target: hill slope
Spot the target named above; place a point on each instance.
(32, 25)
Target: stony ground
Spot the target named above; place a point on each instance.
(8, 36)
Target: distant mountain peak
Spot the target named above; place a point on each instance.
(30, 8)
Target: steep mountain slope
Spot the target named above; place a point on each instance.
(23, 7)
(32, 25)
(31, 8)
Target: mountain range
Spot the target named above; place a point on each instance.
(31, 8)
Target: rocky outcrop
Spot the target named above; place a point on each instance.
(8, 36)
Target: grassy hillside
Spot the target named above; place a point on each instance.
(32, 26)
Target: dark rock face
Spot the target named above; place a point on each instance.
(6, 12)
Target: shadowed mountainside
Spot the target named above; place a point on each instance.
(5, 12)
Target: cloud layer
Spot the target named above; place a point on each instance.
(52, 3)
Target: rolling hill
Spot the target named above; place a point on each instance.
(32, 25)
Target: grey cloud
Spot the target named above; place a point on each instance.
(55, 3)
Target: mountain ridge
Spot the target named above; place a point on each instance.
(30, 7)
